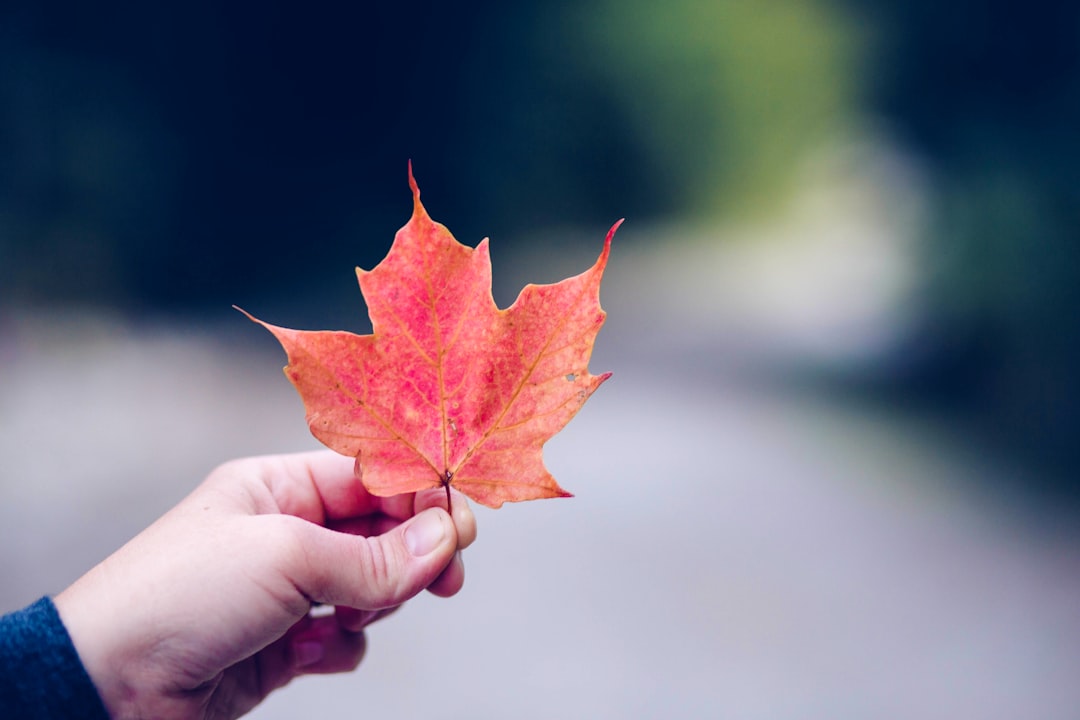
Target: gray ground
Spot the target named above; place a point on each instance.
(735, 549)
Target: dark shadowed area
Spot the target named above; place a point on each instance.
(186, 155)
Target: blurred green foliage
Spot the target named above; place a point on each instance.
(725, 98)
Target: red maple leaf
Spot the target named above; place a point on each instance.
(449, 389)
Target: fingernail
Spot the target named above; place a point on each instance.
(425, 533)
(307, 653)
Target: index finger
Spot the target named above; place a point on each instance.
(321, 486)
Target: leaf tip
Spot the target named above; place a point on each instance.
(278, 332)
(611, 234)
(246, 314)
(418, 207)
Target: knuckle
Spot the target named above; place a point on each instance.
(290, 550)
(381, 572)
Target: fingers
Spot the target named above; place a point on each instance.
(404, 507)
(324, 646)
(312, 645)
(322, 487)
(371, 573)
(317, 486)
(387, 565)
(464, 520)
(355, 620)
(451, 580)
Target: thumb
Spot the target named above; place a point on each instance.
(371, 573)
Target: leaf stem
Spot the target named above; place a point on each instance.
(446, 484)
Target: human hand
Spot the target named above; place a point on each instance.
(206, 612)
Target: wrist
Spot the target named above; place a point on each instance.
(99, 645)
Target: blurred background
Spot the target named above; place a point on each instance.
(836, 471)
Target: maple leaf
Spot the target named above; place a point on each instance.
(449, 389)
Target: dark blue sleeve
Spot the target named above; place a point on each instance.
(41, 676)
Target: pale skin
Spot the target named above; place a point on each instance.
(206, 612)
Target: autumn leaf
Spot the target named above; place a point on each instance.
(449, 389)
